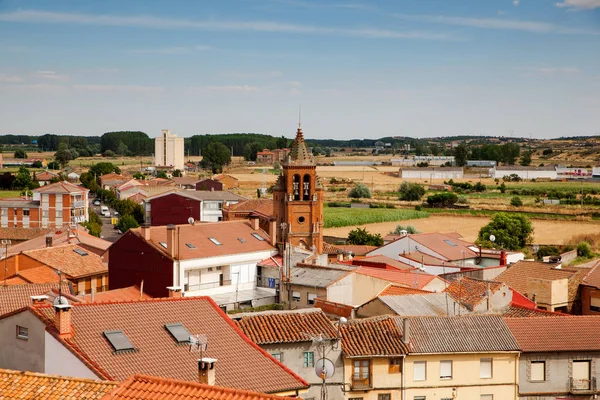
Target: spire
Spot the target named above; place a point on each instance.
(299, 153)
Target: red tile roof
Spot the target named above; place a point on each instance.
(262, 206)
(427, 259)
(16, 297)
(592, 278)
(381, 261)
(395, 290)
(41, 274)
(60, 187)
(17, 280)
(17, 233)
(564, 333)
(227, 233)
(143, 387)
(519, 311)
(158, 354)
(123, 294)
(286, 326)
(377, 336)
(69, 261)
(356, 249)
(410, 279)
(470, 292)
(32, 385)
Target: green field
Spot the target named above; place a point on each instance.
(6, 194)
(336, 217)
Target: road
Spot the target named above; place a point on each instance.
(109, 233)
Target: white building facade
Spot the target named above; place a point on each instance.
(168, 151)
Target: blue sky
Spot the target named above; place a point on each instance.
(359, 69)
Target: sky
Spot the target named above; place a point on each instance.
(355, 68)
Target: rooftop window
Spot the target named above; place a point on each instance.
(450, 242)
(257, 236)
(242, 240)
(81, 252)
(163, 244)
(215, 241)
(179, 333)
(191, 246)
(118, 340)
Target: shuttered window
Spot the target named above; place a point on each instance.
(485, 368)
(419, 370)
(446, 369)
(538, 371)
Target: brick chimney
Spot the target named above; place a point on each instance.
(171, 244)
(175, 292)
(146, 231)
(503, 257)
(273, 232)
(39, 299)
(255, 222)
(62, 320)
(206, 370)
(48, 240)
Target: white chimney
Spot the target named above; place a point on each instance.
(406, 331)
(206, 371)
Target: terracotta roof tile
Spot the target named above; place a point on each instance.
(449, 247)
(377, 336)
(427, 259)
(520, 311)
(329, 248)
(409, 279)
(123, 294)
(143, 387)
(561, 333)
(143, 322)
(17, 280)
(381, 261)
(262, 206)
(356, 249)
(286, 326)
(395, 290)
(470, 292)
(592, 278)
(16, 297)
(69, 261)
(41, 274)
(22, 233)
(227, 233)
(34, 386)
(60, 187)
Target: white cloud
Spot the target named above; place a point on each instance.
(580, 4)
(120, 88)
(547, 71)
(171, 50)
(50, 75)
(516, 3)
(150, 22)
(501, 12)
(233, 88)
(10, 78)
(498, 23)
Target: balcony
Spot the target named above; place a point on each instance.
(78, 204)
(361, 384)
(266, 282)
(582, 386)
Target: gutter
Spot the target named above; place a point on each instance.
(403, 387)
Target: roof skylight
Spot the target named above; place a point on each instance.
(179, 333)
(163, 244)
(118, 340)
(215, 241)
(81, 252)
(191, 246)
(257, 236)
(450, 242)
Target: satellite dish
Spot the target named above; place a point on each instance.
(492, 238)
(191, 220)
(324, 368)
(60, 300)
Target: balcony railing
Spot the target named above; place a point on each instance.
(582, 386)
(361, 384)
(264, 282)
(78, 203)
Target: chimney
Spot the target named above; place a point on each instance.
(503, 257)
(171, 241)
(39, 299)
(146, 231)
(255, 222)
(62, 320)
(340, 257)
(406, 331)
(175, 292)
(48, 240)
(206, 371)
(273, 232)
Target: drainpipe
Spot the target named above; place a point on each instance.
(403, 388)
(517, 376)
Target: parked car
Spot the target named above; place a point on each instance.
(104, 211)
(116, 214)
(97, 202)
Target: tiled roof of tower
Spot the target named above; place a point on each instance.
(286, 326)
(561, 333)
(32, 385)
(157, 353)
(16, 297)
(377, 336)
(143, 387)
(466, 334)
(470, 292)
(71, 259)
(299, 154)
(20, 233)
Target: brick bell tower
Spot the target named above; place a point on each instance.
(298, 199)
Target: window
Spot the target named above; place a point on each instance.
(595, 304)
(179, 333)
(163, 244)
(81, 252)
(277, 356)
(384, 396)
(296, 296)
(361, 374)
(485, 368)
(191, 246)
(581, 374)
(4, 212)
(26, 212)
(22, 332)
(118, 340)
(44, 213)
(419, 398)
(450, 242)
(311, 298)
(219, 268)
(486, 397)
(419, 370)
(355, 398)
(309, 359)
(258, 237)
(242, 240)
(395, 365)
(446, 369)
(215, 241)
(538, 371)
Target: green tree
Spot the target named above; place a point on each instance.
(360, 236)
(177, 173)
(443, 199)
(20, 153)
(103, 168)
(411, 191)
(250, 151)
(23, 180)
(512, 231)
(510, 153)
(162, 174)
(503, 188)
(408, 228)
(461, 154)
(526, 159)
(37, 164)
(63, 155)
(53, 165)
(434, 149)
(516, 202)
(109, 153)
(215, 155)
(282, 142)
(360, 191)
(584, 250)
(126, 222)
(139, 176)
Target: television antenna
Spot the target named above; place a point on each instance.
(198, 343)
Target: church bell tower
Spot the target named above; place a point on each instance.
(298, 199)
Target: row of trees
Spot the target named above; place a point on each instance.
(507, 154)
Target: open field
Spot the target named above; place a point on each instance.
(545, 232)
(339, 216)
(7, 194)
